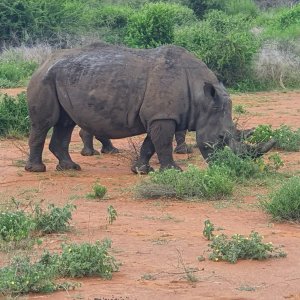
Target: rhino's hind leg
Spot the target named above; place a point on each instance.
(141, 166)
(162, 133)
(88, 146)
(182, 147)
(107, 146)
(36, 144)
(60, 141)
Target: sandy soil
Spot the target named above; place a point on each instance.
(162, 237)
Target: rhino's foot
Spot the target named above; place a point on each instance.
(62, 166)
(110, 150)
(183, 149)
(89, 152)
(31, 167)
(142, 169)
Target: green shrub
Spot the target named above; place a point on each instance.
(262, 133)
(79, 260)
(154, 24)
(236, 166)
(238, 246)
(113, 16)
(286, 139)
(211, 183)
(242, 247)
(15, 226)
(203, 6)
(55, 219)
(283, 24)
(98, 192)
(285, 202)
(15, 73)
(245, 7)
(223, 42)
(14, 119)
(239, 109)
(28, 21)
(22, 277)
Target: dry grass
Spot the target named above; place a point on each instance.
(38, 53)
(279, 63)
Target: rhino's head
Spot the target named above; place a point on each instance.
(215, 127)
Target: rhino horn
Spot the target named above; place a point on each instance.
(254, 151)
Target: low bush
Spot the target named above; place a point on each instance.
(236, 167)
(15, 73)
(80, 260)
(239, 246)
(245, 7)
(98, 192)
(223, 42)
(15, 226)
(19, 225)
(14, 119)
(23, 276)
(54, 219)
(212, 183)
(154, 24)
(285, 202)
(286, 138)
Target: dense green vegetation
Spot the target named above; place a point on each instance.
(284, 204)
(14, 119)
(23, 275)
(249, 44)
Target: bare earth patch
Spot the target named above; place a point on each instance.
(157, 239)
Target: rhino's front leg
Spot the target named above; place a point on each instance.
(141, 166)
(162, 133)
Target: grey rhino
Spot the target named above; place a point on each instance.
(115, 92)
(108, 147)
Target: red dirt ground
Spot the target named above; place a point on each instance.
(150, 236)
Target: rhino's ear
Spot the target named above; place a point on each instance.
(209, 90)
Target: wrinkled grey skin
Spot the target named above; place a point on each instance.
(115, 92)
(107, 146)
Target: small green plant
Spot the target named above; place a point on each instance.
(275, 162)
(15, 226)
(112, 214)
(54, 219)
(239, 109)
(208, 229)
(241, 247)
(212, 183)
(98, 192)
(22, 276)
(262, 133)
(236, 166)
(14, 119)
(285, 202)
(14, 73)
(79, 260)
(286, 138)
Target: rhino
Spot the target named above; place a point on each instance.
(115, 92)
(108, 147)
